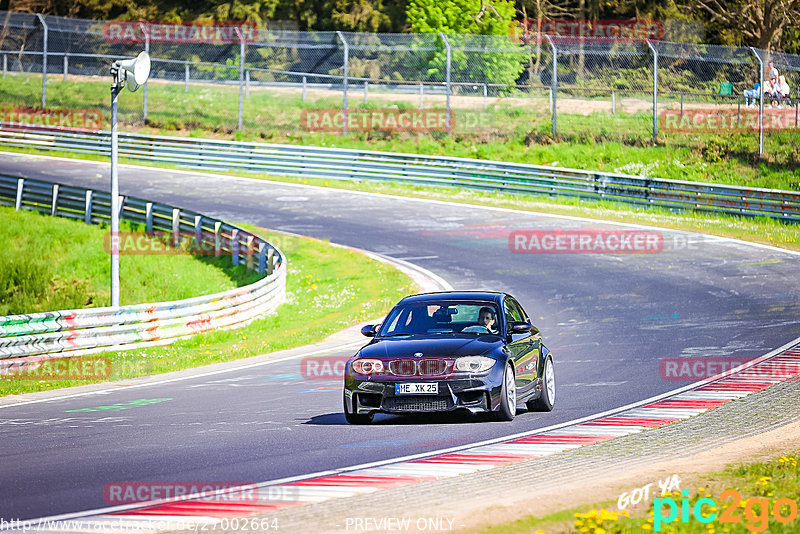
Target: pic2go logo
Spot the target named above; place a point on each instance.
(756, 511)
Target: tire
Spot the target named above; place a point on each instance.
(508, 396)
(547, 398)
(356, 418)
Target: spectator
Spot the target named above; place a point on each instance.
(773, 72)
(751, 95)
(772, 93)
(784, 88)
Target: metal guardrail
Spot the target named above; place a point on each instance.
(74, 332)
(345, 164)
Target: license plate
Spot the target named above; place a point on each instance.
(416, 388)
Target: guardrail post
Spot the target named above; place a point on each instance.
(554, 85)
(304, 88)
(120, 206)
(198, 230)
(262, 257)
(66, 66)
(421, 95)
(217, 238)
(54, 205)
(366, 91)
(235, 247)
(87, 210)
(20, 186)
(345, 66)
(148, 217)
(448, 84)
(249, 248)
(186, 78)
(44, 60)
(485, 95)
(176, 226)
(270, 261)
(655, 91)
(760, 101)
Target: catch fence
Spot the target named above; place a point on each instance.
(212, 83)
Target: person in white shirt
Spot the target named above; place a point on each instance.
(773, 72)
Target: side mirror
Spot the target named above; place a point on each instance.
(369, 330)
(520, 327)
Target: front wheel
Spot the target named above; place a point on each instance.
(356, 418)
(508, 396)
(547, 398)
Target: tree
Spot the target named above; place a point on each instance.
(759, 22)
(492, 59)
(360, 15)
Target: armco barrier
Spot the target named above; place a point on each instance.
(343, 164)
(73, 332)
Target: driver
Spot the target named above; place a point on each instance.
(487, 318)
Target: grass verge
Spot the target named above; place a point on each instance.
(749, 497)
(329, 287)
(510, 129)
(63, 265)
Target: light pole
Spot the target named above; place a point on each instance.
(139, 68)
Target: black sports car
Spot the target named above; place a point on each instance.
(439, 352)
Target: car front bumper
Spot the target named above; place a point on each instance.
(476, 394)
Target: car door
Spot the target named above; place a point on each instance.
(522, 348)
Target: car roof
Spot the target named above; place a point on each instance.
(492, 296)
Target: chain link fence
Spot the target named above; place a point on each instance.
(245, 79)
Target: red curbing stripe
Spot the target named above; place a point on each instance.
(360, 481)
(631, 421)
(494, 459)
(555, 439)
(689, 404)
(735, 386)
(210, 509)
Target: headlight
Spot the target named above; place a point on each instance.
(474, 364)
(368, 366)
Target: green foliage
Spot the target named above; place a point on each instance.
(466, 17)
(63, 265)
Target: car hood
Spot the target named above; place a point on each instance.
(431, 346)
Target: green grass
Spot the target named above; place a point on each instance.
(756, 483)
(329, 288)
(51, 263)
(511, 131)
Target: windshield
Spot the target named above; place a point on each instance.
(441, 317)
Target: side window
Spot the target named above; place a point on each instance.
(512, 311)
(520, 311)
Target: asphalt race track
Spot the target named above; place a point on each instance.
(609, 319)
